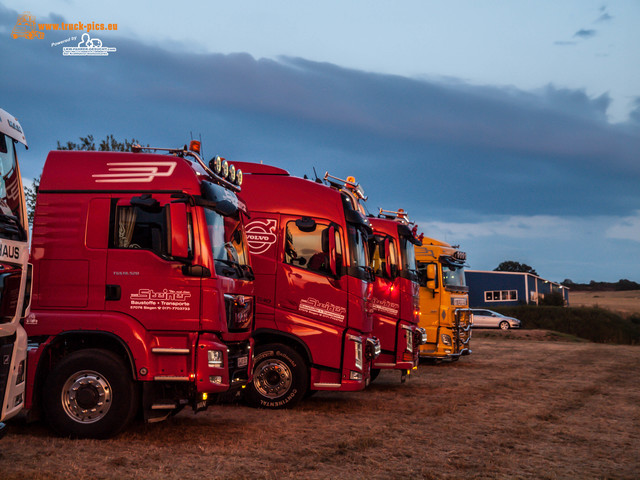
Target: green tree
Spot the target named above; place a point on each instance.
(30, 193)
(109, 144)
(511, 266)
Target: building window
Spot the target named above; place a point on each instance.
(501, 295)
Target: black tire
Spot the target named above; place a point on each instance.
(280, 378)
(374, 374)
(90, 394)
(504, 325)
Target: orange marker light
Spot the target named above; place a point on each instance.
(194, 146)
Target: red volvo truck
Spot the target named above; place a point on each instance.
(313, 327)
(143, 289)
(396, 302)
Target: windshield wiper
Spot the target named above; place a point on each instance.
(236, 269)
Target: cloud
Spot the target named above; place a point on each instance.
(627, 228)
(414, 142)
(605, 17)
(585, 33)
(514, 227)
(634, 115)
(581, 248)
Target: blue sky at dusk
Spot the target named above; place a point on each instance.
(511, 129)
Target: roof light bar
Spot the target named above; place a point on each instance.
(349, 183)
(400, 215)
(218, 167)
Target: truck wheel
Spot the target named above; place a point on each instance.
(280, 377)
(504, 325)
(90, 394)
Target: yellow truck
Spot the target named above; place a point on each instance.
(444, 301)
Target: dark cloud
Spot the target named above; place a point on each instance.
(457, 147)
(634, 115)
(585, 33)
(605, 17)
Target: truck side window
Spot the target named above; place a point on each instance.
(310, 250)
(138, 228)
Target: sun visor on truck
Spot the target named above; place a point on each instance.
(222, 200)
(356, 218)
(406, 232)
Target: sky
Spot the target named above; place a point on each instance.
(510, 128)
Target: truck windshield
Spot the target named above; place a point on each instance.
(408, 255)
(12, 221)
(453, 275)
(228, 245)
(377, 254)
(358, 253)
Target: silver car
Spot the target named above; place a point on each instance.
(491, 319)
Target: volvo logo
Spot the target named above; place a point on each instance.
(261, 234)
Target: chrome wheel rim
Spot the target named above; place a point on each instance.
(86, 396)
(272, 378)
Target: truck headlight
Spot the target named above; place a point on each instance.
(215, 358)
(409, 336)
(446, 339)
(357, 343)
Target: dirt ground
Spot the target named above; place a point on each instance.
(526, 405)
(625, 303)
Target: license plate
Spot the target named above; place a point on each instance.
(243, 361)
(201, 405)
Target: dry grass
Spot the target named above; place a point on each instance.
(519, 407)
(625, 303)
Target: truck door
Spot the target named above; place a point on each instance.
(142, 279)
(311, 298)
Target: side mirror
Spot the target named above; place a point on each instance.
(332, 251)
(387, 257)
(178, 231)
(431, 276)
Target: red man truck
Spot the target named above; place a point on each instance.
(142, 288)
(396, 302)
(308, 246)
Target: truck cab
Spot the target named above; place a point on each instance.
(395, 292)
(143, 289)
(444, 301)
(313, 284)
(15, 273)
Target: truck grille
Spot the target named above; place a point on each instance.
(6, 352)
(239, 310)
(239, 372)
(463, 329)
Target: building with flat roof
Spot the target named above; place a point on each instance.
(494, 289)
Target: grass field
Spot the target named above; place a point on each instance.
(626, 302)
(526, 404)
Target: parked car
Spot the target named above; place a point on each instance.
(491, 319)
